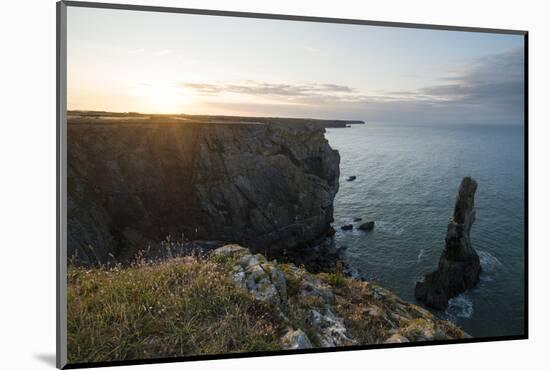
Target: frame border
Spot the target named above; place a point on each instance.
(286, 17)
(61, 185)
(61, 172)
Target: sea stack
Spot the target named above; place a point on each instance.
(459, 265)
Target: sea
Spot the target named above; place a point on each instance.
(407, 180)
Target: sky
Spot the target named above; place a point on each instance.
(121, 60)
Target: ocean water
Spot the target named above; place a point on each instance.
(407, 179)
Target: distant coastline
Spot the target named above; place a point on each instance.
(85, 116)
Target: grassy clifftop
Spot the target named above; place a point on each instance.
(231, 301)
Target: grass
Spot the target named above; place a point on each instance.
(190, 306)
(175, 308)
(372, 313)
(334, 279)
(365, 319)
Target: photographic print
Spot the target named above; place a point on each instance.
(241, 185)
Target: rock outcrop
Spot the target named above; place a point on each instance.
(334, 311)
(228, 301)
(296, 339)
(459, 265)
(131, 183)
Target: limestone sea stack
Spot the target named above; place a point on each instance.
(459, 265)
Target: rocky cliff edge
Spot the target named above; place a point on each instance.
(232, 301)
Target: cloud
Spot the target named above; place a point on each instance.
(289, 91)
(201, 87)
(494, 79)
(338, 88)
(486, 90)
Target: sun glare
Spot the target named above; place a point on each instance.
(161, 97)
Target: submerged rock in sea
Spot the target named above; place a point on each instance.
(367, 226)
(347, 227)
(459, 266)
(351, 178)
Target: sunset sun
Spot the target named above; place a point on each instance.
(161, 97)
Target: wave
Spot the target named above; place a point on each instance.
(489, 265)
(488, 261)
(389, 227)
(354, 272)
(420, 255)
(460, 307)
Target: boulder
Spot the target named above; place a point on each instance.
(459, 265)
(262, 278)
(366, 226)
(351, 178)
(347, 227)
(296, 339)
(397, 338)
(230, 250)
(357, 219)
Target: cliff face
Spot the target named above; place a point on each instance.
(268, 186)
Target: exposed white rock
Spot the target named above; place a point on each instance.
(263, 279)
(332, 331)
(315, 318)
(296, 339)
(397, 338)
(267, 281)
(230, 250)
(312, 286)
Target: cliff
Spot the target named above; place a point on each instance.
(228, 302)
(133, 180)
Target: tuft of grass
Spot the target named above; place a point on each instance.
(180, 307)
(293, 281)
(334, 279)
(365, 319)
(221, 259)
